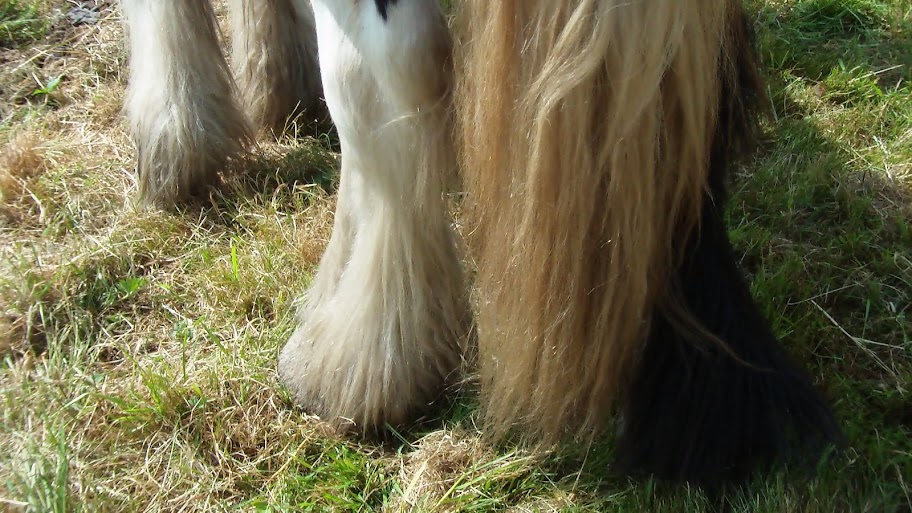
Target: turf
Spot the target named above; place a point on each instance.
(21, 21)
(138, 348)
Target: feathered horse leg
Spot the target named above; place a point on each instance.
(274, 55)
(382, 325)
(591, 135)
(714, 395)
(576, 159)
(180, 99)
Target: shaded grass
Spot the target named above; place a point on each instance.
(137, 349)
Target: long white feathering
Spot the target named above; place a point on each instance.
(180, 99)
(384, 324)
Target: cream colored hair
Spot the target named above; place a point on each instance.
(274, 55)
(180, 99)
(586, 129)
(384, 325)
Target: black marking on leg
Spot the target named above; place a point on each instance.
(383, 6)
(700, 412)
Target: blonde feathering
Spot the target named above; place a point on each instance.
(586, 129)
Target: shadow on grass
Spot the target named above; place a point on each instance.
(280, 175)
(309, 163)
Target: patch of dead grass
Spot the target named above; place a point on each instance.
(9, 335)
(77, 55)
(20, 161)
(21, 158)
(429, 472)
(449, 469)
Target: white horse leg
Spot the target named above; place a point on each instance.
(274, 53)
(180, 103)
(383, 324)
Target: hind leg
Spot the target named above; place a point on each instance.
(180, 100)
(382, 325)
(274, 55)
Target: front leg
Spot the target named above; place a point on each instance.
(383, 325)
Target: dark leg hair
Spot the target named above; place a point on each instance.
(714, 395)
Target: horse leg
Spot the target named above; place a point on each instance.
(274, 55)
(180, 99)
(597, 136)
(382, 326)
(712, 411)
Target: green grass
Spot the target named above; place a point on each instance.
(138, 349)
(21, 21)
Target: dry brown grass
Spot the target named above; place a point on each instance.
(139, 346)
(20, 161)
(430, 472)
(448, 470)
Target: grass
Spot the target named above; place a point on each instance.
(21, 22)
(138, 349)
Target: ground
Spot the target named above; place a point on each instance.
(138, 348)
